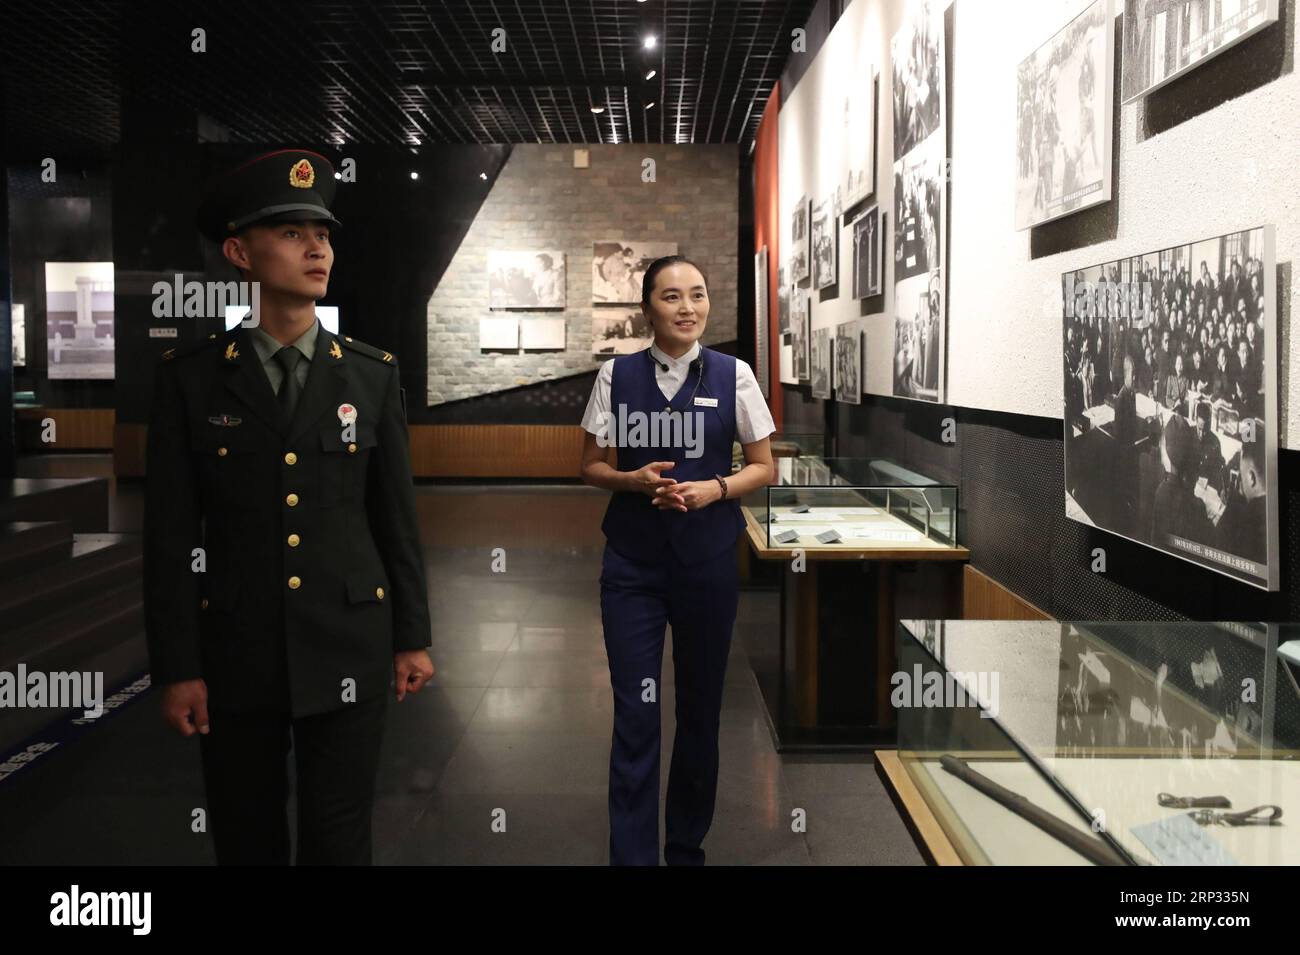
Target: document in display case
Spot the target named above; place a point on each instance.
(854, 505)
(1140, 743)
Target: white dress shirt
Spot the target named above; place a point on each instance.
(753, 419)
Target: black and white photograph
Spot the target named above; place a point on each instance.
(825, 242)
(762, 333)
(918, 193)
(920, 203)
(18, 331)
(867, 257)
(782, 303)
(1064, 95)
(859, 137)
(800, 248)
(619, 331)
(617, 267)
(848, 362)
(526, 279)
(800, 339)
(916, 53)
(918, 338)
(1170, 401)
(1165, 38)
(79, 320)
(821, 362)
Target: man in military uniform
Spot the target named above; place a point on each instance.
(284, 582)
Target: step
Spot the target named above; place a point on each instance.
(64, 640)
(27, 546)
(98, 562)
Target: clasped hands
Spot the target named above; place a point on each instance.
(667, 494)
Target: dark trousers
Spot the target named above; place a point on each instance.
(246, 775)
(637, 600)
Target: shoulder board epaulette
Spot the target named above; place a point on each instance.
(180, 351)
(370, 351)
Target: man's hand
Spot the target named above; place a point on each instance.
(411, 670)
(185, 706)
(688, 495)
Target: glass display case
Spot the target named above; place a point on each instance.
(787, 449)
(1044, 742)
(857, 543)
(853, 504)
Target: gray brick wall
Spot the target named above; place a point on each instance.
(541, 202)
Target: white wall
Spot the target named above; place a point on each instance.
(1228, 168)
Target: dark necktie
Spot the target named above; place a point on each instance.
(288, 358)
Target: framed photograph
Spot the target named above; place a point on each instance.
(800, 337)
(821, 362)
(918, 337)
(826, 262)
(859, 163)
(1064, 95)
(1171, 401)
(920, 202)
(526, 279)
(868, 258)
(619, 265)
(619, 331)
(1163, 39)
(79, 320)
(800, 235)
(918, 199)
(848, 362)
(18, 318)
(782, 303)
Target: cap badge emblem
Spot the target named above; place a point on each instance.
(301, 175)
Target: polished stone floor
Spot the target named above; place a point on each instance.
(516, 721)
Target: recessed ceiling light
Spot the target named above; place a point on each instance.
(650, 42)
(482, 175)
(650, 75)
(598, 109)
(650, 105)
(414, 174)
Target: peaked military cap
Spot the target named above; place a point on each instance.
(282, 186)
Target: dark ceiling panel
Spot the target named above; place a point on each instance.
(397, 72)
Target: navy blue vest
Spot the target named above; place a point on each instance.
(633, 526)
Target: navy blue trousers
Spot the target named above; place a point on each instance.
(637, 601)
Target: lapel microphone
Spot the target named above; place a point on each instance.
(698, 364)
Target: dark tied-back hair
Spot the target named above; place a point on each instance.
(657, 266)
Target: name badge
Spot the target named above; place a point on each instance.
(706, 402)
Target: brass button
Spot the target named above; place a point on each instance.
(221, 452)
(203, 604)
(291, 500)
(294, 540)
(352, 448)
(295, 583)
(379, 592)
(291, 458)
